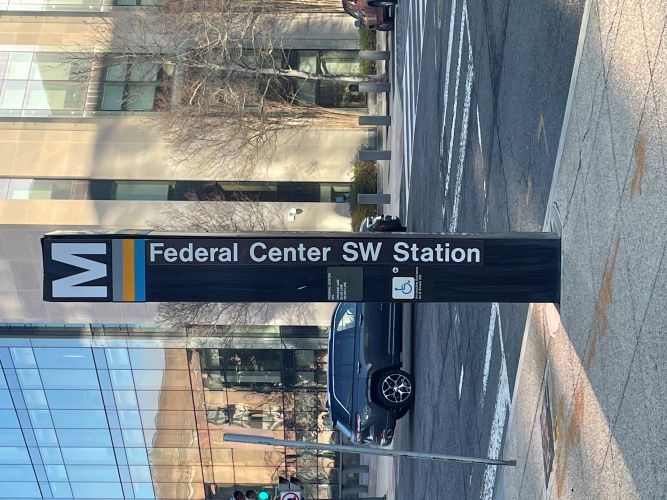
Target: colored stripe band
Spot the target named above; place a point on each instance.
(128, 271)
(139, 270)
(117, 266)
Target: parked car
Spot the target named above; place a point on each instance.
(376, 14)
(366, 389)
(381, 223)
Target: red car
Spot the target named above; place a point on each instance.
(376, 14)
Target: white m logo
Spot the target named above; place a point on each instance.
(67, 253)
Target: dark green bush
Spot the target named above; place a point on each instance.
(367, 67)
(364, 180)
(366, 38)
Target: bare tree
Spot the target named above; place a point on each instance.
(231, 87)
(217, 318)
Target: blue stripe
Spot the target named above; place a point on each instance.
(117, 265)
(139, 270)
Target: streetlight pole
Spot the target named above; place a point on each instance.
(363, 450)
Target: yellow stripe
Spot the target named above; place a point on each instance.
(128, 270)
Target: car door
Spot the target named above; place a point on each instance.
(342, 357)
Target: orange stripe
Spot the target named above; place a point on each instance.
(128, 270)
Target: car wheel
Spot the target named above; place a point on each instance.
(395, 390)
(381, 3)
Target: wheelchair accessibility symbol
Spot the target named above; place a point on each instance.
(403, 288)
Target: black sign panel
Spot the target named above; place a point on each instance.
(301, 267)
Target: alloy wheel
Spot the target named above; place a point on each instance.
(396, 388)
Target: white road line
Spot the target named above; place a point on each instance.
(456, 97)
(481, 153)
(497, 426)
(407, 127)
(450, 39)
(463, 142)
(407, 102)
(461, 382)
(423, 20)
(489, 345)
(411, 79)
(479, 137)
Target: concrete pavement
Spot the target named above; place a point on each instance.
(587, 417)
(390, 172)
(381, 475)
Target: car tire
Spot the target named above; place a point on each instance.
(381, 3)
(402, 412)
(395, 390)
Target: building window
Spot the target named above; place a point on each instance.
(100, 189)
(43, 83)
(70, 5)
(337, 93)
(135, 86)
(325, 62)
(135, 3)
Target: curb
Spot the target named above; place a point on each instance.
(583, 30)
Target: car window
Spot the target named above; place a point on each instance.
(345, 316)
(372, 326)
(343, 372)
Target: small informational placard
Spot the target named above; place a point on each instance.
(410, 283)
(403, 288)
(345, 284)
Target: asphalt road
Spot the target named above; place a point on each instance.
(484, 135)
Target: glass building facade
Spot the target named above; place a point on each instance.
(69, 84)
(107, 416)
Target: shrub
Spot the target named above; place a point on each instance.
(366, 38)
(367, 67)
(364, 180)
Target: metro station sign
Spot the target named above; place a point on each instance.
(300, 267)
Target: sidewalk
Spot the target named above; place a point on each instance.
(590, 402)
(390, 171)
(381, 476)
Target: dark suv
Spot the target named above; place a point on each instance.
(366, 389)
(376, 14)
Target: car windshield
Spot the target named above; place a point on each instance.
(343, 360)
(345, 316)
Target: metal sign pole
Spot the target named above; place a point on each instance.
(249, 439)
